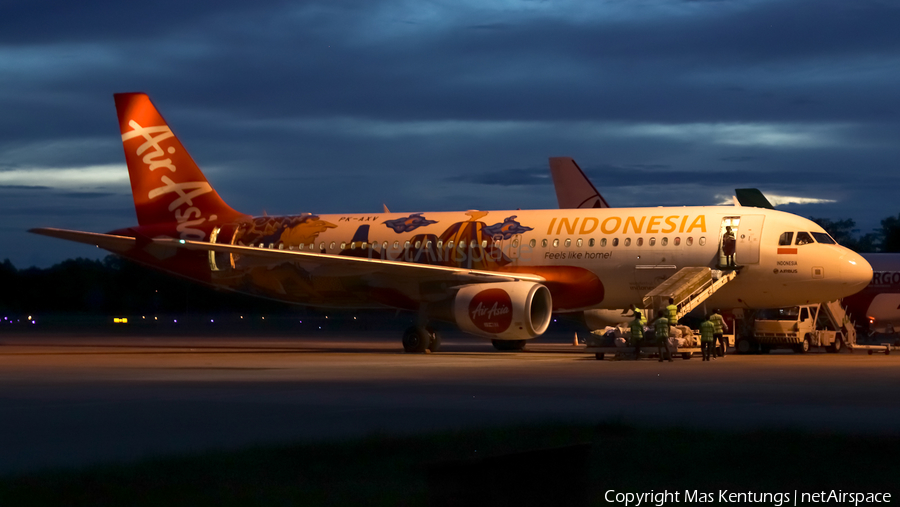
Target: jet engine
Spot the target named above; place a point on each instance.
(503, 310)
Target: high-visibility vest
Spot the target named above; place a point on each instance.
(707, 329)
(718, 322)
(673, 314)
(662, 328)
(637, 331)
(639, 315)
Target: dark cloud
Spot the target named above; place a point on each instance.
(427, 106)
(23, 187)
(86, 195)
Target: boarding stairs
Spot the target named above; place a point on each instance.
(689, 287)
(837, 315)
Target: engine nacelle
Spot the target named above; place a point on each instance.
(503, 310)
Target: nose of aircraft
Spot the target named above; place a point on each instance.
(856, 272)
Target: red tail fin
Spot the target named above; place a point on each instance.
(167, 185)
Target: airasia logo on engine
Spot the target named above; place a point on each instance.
(491, 310)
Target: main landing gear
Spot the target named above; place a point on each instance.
(421, 339)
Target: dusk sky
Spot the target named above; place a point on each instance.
(340, 106)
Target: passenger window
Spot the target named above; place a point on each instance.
(322, 246)
(803, 238)
(785, 238)
(615, 241)
(603, 242)
(579, 242)
(689, 241)
(462, 243)
(544, 243)
(300, 246)
(396, 245)
(384, 246)
(281, 246)
(677, 241)
(652, 241)
(450, 244)
(406, 245)
(515, 243)
(440, 244)
(418, 244)
(312, 246)
(591, 242)
(702, 240)
(640, 241)
(484, 243)
(353, 245)
(568, 243)
(627, 241)
(343, 246)
(428, 244)
(364, 245)
(555, 243)
(532, 243)
(664, 241)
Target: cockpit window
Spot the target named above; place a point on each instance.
(785, 238)
(824, 238)
(803, 238)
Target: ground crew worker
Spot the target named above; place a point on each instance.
(719, 335)
(672, 312)
(662, 337)
(707, 329)
(639, 315)
(637, 334)
(728, 246)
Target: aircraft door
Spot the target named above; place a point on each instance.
(219, 261)
(748, 236)
(505, 248)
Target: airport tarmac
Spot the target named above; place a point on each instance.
(68, 400)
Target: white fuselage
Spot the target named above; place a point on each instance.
(630, 250)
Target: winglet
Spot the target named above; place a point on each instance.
(752, 197)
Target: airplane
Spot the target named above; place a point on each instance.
(877, 305)
(495, 274)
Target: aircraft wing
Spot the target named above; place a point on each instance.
(314, 262)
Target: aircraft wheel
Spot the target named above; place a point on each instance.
(415, 340)
(435, 343)
(686, 355)
(509, 345)
(836, 347)
(745, 346)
